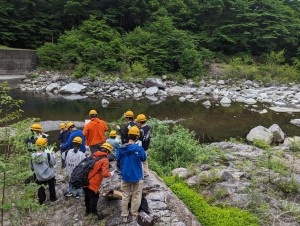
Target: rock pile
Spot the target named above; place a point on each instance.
(282, 98)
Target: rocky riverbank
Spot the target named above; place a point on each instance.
(165, 208)
(283, 98)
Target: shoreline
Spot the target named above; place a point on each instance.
(283, 98)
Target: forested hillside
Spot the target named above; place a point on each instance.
(152, 36)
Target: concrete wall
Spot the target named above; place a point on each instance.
(17, 62)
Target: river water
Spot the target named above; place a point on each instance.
(216, 123)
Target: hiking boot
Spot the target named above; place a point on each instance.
(55, 200)
(99, 216)
(68, 194)
(77, 197)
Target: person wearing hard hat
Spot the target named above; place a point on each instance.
(74, 132)
(130, 157)
(36, 132)
(113, 141)
(145, 137)
(129, 117)
(63, 133)
(94, 131)
(63, 137)
(99, 171)
(73, 157)
(42, 164)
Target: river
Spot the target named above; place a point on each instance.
(216, 123)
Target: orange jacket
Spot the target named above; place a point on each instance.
(94, 132)
(99, 171)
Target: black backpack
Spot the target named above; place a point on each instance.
(79, 176)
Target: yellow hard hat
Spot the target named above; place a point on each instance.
(129, 114)
(36, 127)
(141, 118)
(134, 130)
(107, 146)
(113, 133)
(41, 141)
(62, 125)
(93, 112)
(77, 140)
(69, 124)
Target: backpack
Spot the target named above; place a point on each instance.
(79, 176)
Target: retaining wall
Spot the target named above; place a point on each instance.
(17, 62)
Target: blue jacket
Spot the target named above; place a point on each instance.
(130, 157)
(63, 136)
(73, 134)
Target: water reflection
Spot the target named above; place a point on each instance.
(210, 124)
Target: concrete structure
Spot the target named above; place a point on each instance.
(17, 62)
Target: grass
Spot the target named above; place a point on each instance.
(206, 214)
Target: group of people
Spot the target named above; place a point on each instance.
(130, 154)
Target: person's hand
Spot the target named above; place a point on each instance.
(118, 127)
(112, 173)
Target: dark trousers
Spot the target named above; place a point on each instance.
(94, 148)
(42, 193)
(90, 199)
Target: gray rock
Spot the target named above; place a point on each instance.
(151, 91)
(151, 82)
(240, 200)
(72, 88)
(260, 133)
(181, 172)
(290, 141)
(278, 134)
(181, 99)
(250, 101)
(152, 98)
(104, 102)
(221, 82)
(206, 103)
(193, 180)
(52, 87)
(295, 122)
(225, 100)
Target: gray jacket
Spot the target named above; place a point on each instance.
(72, 160)
(43, 168)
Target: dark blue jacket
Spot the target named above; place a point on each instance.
(130, 157)
(63, 137)
(68, 144)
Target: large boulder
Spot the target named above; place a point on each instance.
(52, 87)
(260, 133)
(72, 88)
(150, 82)
(151, 91)
(278, 134)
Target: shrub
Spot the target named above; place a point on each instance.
(171, 150)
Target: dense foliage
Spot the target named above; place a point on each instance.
(159, 37)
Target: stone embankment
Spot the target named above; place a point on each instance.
(283, 98)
